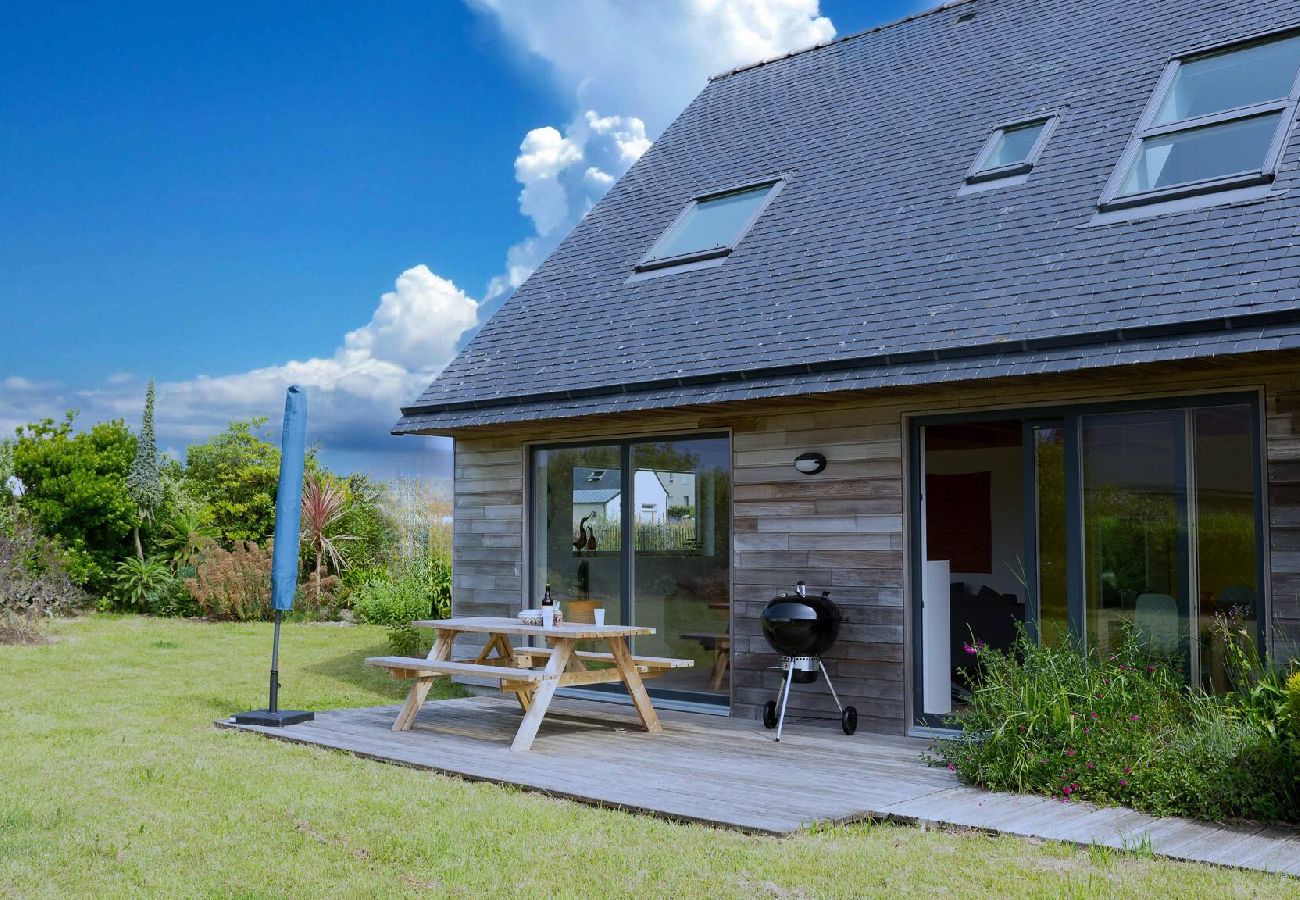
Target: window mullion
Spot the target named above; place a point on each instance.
(1218, 118)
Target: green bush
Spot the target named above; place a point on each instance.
(392, 603)
(1293, 707)
(1120, 730)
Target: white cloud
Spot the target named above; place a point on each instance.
(353, 395)
(642, 60)
(650, 58)
(562, 175)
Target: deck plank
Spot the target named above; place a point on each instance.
(729, 772)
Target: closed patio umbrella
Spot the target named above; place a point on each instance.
(284, 560)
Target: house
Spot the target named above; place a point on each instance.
(1026, 273)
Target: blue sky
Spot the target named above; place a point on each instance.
(193, 190)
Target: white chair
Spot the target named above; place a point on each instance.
(1155, 622)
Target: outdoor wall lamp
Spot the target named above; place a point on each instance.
(810, 463)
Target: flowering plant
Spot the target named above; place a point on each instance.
(1117, 727)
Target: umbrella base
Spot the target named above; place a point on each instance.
(278, 719)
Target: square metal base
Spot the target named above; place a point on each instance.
(270, 719)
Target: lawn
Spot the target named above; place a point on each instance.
(116, 783)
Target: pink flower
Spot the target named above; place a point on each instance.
(1091, 765)
(1094, 715)
(1070, 752)
(969, 649)
(1123, 782)
(1134, 717)
(1127, 770)
(1067, 790)
(951, 767)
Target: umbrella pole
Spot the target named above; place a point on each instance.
(274, 705)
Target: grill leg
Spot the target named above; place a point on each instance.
(785, 696)
(834, 696)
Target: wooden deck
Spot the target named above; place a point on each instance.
(728, 772)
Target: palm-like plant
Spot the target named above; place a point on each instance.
(324, 503)
(141, 582)
(184, 534)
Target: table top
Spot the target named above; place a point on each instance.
(507, 625)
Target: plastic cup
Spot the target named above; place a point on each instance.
(600, 617)
(548, 616)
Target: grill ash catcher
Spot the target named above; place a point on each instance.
(802, 627)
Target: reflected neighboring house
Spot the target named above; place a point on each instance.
(598, 495)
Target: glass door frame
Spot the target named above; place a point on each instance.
(1071, 416)
(627, 564)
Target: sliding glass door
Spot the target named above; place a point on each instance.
(1089, 523)
(1135, 531)
(642, 530)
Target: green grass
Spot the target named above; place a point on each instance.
(116, 783)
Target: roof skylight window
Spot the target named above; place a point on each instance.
(1217, 121)
(710, 227)
(1011, 150)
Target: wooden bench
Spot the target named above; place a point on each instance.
(720, 644)
(649, 665)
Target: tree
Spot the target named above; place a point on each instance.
(324, 503)
(144, 482)
(234, 474)
(74, 487)
(8, 500)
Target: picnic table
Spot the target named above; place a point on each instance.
(516, 670)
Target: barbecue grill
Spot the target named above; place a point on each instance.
(802, 627)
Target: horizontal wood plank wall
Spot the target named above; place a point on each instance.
(839, 531)
(1283, 426)
(487, 562)
(844, 530)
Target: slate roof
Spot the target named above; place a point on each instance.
(869, 269)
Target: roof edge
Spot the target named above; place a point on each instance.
(942, 7)
(1196, 326)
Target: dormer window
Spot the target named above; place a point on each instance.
(1012, 150)
(1218, 120)
(710, 227)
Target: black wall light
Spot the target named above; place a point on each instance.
(810, 463)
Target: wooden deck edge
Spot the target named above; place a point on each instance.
(279, 735)
(869, 815)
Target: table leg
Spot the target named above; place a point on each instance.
(635, 688)
(542, 695)
(440, 651)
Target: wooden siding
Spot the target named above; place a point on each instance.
(844, 529)
(487, 560)
(839, 531)
(1283, 427)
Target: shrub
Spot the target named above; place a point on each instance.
(140, 584)
(1293, 707)
(1064, 723)
(392, 603)
(34, 584)
(233, 584)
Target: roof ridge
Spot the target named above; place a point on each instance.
(942, 7)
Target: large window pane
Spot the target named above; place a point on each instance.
(1188, 156)
(1050, 534)
(710, 224)
(1232, 80)
(1134, 506)
(681, 500)
(577, 503)
(1227, 552)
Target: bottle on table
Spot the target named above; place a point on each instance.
(548, 608)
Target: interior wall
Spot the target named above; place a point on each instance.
(1006, 506)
